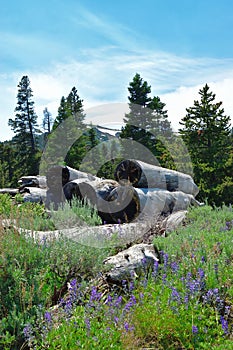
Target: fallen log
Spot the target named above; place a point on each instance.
(34, 194)
(57, 177)
(154, 201)
(32, 181)
(97, 193)
(131, 263)
(144, 175)
(10, 191)
(72, 189)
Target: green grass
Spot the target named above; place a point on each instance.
(184, 303)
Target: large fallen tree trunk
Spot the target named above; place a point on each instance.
(57, 177)
(154, 201)
(123, 204)
(144, 175)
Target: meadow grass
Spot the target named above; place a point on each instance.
(184, 302)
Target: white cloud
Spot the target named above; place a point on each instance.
(102, 76)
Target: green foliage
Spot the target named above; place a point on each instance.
(147, 123)
(25, 128)
(206, 132)
(34, 272)
(184, 303)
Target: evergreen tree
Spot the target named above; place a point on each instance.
(147, 122)
(25, 128)
(206, 132)
(66, 142)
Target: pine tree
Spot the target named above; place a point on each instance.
(25, 128)
(147, 122)
(67, 144)
(206, 132)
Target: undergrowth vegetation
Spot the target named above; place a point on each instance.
(183, 302)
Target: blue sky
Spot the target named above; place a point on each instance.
(98, 46)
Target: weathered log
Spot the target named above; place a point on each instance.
(154, 201)
(131, 263)
(144, 175)
(34, 194)
(57, 177)
(97, 193)
(72, 189)
(10, 191)
(123, 204)
(32, 181)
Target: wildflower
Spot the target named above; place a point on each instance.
(48, 317)
(203, 259)
(164, 279)
(155, 268)
(27, 331)
(87, 323)
(109, 299)
(131, 286)
(194, 329)
(118, 301)
(175, 296)
(126, 325)
(165, 257)
(95, 296)
(174, 266)
(224, 324)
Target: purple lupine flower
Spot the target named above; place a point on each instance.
(72, 287)
(165, 261)
(224, 324)
(194, 329)
(201, 273)
(116, 320)
(164, 279)
(118, 301)
(203, 259)
(27, 331)
(155, 268)
(48, 317)
(131, 286)
(95, 296)
(109, 300)
(186, 300)
(126, 325)
(174, 266)
(175, 296)
(88, 324)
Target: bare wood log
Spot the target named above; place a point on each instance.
(97, 193)
(154, 201)
(32, 181)
(123, 204)
(72, 189)
(10, 191)
(57, 177)
(131, 263)
(34, 194)
(144, 175)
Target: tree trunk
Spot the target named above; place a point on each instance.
(143, 175)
